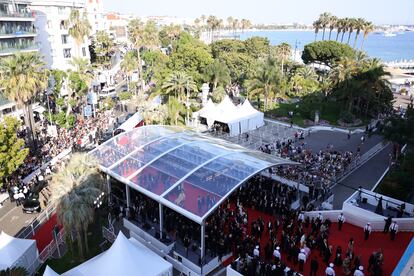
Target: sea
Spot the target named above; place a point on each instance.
(387, 48)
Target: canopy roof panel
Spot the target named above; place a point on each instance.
(189, 172)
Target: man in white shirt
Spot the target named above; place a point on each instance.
(367, 230)
(358, 272)
(256, 252)
(393, 230)
(329, 271)
(301, 259)
(301, 217)
(277, 254)
(341, 220)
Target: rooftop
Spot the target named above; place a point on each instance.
(176, 166)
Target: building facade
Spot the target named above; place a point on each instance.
(96, 15)
(17, 34)
(56, 45)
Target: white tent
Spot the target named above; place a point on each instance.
(49, 272)
(132, 122)
(16, 252)
(125, 257)
(239, 119)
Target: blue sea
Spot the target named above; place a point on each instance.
(399, 47)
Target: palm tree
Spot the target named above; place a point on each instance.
(177, 84)
(368, 28)
(333, 22)
(75, 189)
(283, 52)
(264, 82)
(230, 22)
(245, 24)
(345, 27)
(351, 27)
(340, 24)
(129, 64)
(236, 25)
(79, 28)
(174, 109)
(359, 25)
(22, 77)
(316, 25)
(218, 73)
(324, 22)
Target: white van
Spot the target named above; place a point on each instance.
(107, 92)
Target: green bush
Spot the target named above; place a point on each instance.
(123, 96)
(15, 271)
(347, 117)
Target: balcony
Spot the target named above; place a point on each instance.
(12, 49)
(17, 32)
(17, 16)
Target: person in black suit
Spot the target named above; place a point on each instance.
(314, 266)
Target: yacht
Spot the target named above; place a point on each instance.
(389, 34)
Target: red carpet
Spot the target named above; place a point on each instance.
(392, 250)
(44, 235)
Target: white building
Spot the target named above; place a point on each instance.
(96, 15)
(56, 45)
(117, 25)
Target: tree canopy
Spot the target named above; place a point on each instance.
(12, 150)
(326, 52)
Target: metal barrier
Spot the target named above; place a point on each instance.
(44, 216)
(52, 246)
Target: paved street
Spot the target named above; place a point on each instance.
(12, 218)
(366, 176)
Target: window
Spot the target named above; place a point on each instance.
(84, 51)
(49, 24)
(65, 39)
(62, 25)
(66, 53)
(61, 10)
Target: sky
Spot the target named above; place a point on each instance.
(271, 11)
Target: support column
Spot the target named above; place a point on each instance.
(203, 243)
(161, 219)
(108, 186)
(128, 197)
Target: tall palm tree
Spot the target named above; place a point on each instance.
(332, 24)
(351, 28)
(218, 73)
(368, 28)
(265, 82)
(22, 77)
(345, 27)
(174, 109)
(283, 52)
(340, 24)
(75, 189)
(129, 64)
(245, 24)
(359, 26)
(236, 25)
(177, 84)
(324, 21)
(79, 27)
(316, 25)
(230, 22)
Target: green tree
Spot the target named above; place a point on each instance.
(304, 81)
(190, 56)
(317, 26)
(283, 52)
(175, 108)
(79, 28)
(103, 44)
(129, 64)
(177, 84)
(218, 94)
(12, 151)
(265, 82)
(257, 47)
(332, 24)
(75, 189)
(367, 29)
(22, 77)
(326, 52)
(217, 73)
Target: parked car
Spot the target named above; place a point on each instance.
(31, 205)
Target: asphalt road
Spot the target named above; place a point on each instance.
(12, 218)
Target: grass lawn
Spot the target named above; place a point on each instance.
(328, 111)
(71, 259)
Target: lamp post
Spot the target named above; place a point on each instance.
(187, 104)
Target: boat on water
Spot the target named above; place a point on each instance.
(389, 34)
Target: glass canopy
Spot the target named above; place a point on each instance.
(189, 172)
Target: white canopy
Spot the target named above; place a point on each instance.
(49, 272)
(125, 257)
(16, 252)
(132, 122)
(240, 119)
